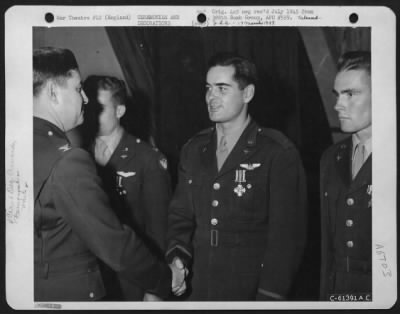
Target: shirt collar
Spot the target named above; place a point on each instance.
(367, 145)
(233, 136)
(112, 140)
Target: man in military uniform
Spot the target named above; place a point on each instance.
(134, 174)
(239, 212)
(73, 221)
(346, 186)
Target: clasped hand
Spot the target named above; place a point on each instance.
(179, 273)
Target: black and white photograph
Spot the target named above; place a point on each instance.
(200, 157)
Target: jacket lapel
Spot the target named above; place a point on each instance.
(343, 161)
(364, 176)
(207, 154)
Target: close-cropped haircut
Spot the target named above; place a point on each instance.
(245, 70)
(50, 63)
(355, 60)
(115, 86)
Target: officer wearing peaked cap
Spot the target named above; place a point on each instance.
(346, 186)
(73, 222)
(134, 174)
(237, 219)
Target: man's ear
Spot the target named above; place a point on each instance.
(120, 111)
(52, 91)
(248, 93)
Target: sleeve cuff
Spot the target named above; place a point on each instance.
(264, 295)
(178, 251)
(162, 288)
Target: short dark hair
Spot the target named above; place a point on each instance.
(245, 70)
(117, 87)
(50, 63)
(355, 60)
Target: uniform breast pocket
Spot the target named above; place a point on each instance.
(361, 198)
(127, 185)
(252, 195)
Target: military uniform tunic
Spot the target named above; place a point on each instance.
(74, 225)
(346, 226)
(137, 180)
(242, 228)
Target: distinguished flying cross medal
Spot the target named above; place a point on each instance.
(240, 178)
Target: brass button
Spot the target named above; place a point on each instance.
(190, 181)
(50, 133)
(91, 294)
(216, 186)
(138, 140)
(326, 194)
(214, 221)
(350, 201)
(214, 203)
(249, 186)
(349, 222)
(350, 244)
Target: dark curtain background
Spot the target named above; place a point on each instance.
(165, 69)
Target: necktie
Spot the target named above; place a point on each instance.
(222, 151)
(358, 159)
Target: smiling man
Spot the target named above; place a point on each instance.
(346, 186)
(237, 219)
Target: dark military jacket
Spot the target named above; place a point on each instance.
(137, 180)
(346, 224)
(74, 224)
(243, 228)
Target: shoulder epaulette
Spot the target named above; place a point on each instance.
(276, 136)
(204, 132)
(200, 134)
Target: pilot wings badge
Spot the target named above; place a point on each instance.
(250, 166)
(126, 174)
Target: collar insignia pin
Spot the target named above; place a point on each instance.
(65, 147)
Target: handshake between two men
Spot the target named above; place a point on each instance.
(178, 285)
(179, 273)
